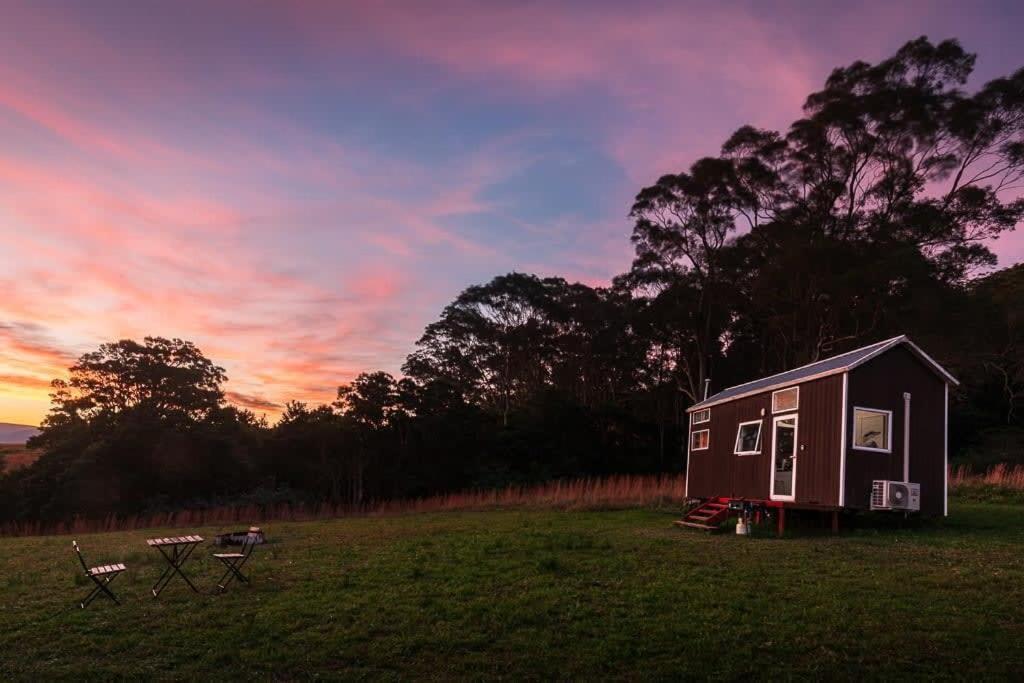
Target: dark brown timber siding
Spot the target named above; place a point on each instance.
(818, 433)
(880, 383)
(718, 472)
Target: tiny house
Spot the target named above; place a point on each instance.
(863, 430)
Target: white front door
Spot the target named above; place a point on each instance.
(783, 482)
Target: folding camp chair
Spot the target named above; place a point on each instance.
(235, 561)
(102, 576)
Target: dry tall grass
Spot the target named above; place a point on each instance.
(1008, 477)
(610, 492)
(13, 456)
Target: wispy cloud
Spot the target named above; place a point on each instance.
(24, 381)
(29, 341)
(252, 402)
(302, 209)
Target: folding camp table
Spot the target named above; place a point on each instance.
(180, 548)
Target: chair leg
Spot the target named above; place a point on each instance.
(223, 584)
(110, 594)
(101, 588)
(233, 572)
(89, 598)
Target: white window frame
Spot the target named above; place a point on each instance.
(696, 421)
(786, 410)
(698, 431)
(888, 437)
(739, 430)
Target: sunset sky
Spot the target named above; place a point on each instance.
(300, 187)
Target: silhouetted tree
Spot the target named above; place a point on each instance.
(160, 379)
(868, 217)
(135, 426)
(886, 188)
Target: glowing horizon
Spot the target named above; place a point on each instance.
(299, 188)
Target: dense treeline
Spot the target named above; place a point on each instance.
(868, 218)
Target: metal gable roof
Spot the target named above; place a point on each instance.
(829, 366)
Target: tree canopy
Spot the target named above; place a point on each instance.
(792, 245)
(169, 380)
(870, 216)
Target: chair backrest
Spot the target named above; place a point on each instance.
(78, 552)
(249, 544)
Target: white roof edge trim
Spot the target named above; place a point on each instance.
(800, 367)
(928, 360)
(883, 346)
(767, 389)
(931, 361)
(889, 344)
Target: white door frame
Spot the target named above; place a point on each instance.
(796, 450)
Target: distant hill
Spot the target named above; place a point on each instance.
(12, 433)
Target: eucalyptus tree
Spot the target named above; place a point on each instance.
(495, 343)
(881, 197)
(682, 229)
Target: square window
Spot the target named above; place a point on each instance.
(699, 440)
(872, 429)
(785, 399)
(748, 438)
(702, 416)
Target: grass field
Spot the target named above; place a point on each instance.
(534, 594)
(15, 455)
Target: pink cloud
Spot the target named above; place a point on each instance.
(72, 130)
(29, 359)
(377, 285)
(147, 189)
(650, 62)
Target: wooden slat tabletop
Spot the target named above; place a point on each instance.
(174, 540)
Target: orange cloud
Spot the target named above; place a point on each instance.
(210, 193)
(28, 341)
(25, 381)
(252, 402)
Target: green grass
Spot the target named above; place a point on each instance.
(534, 594)
(989, 493)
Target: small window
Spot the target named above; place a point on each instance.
(748, 438)
(702, 416)
(872, 429)
(699, 440)
(785, 399)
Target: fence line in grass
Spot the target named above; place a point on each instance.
(588, 493)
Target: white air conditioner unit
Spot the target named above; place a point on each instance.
(895, 495)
